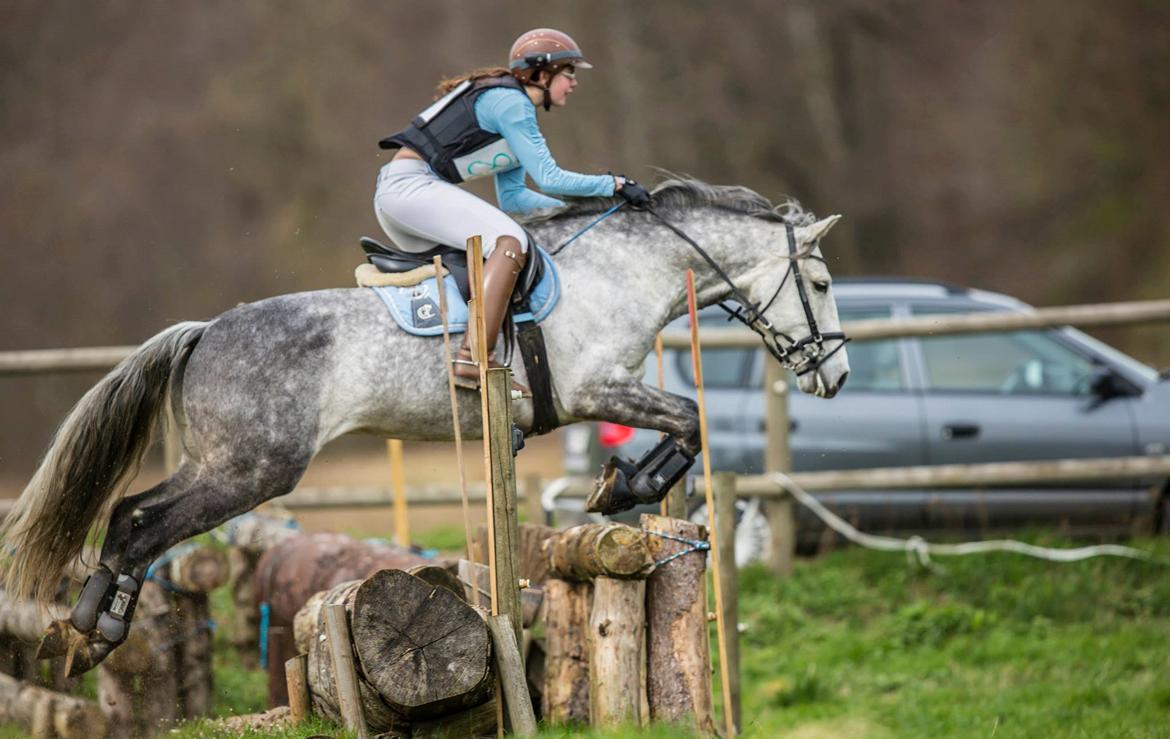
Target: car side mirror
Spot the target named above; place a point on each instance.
(1105, 384)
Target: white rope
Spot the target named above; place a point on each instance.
(918, 547)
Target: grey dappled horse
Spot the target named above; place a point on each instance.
(258, 391)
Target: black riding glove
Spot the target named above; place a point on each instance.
(634, 194)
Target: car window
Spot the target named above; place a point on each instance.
(873, 365)
(1012, 362)
(721, 367)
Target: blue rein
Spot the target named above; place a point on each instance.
(583, 231)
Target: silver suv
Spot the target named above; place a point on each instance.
(1019, 395)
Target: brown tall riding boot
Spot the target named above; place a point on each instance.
(500, 271)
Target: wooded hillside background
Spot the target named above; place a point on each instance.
(163, 161)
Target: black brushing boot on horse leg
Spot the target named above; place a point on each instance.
(500, 271)
(625, 484)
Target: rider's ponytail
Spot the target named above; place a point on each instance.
(447, 84)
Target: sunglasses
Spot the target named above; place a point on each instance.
(570, 72)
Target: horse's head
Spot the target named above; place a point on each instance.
(793, 289)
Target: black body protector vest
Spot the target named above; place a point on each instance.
(447, 134)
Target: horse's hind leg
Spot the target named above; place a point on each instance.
(144, 526)
(101, 586)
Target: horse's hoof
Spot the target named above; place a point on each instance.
(55, 642)
(85, 654)
(81, 652)
(611, 492)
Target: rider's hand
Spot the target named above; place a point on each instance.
(633, 193)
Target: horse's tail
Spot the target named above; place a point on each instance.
(93, 456)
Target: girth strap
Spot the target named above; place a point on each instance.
(530, 339)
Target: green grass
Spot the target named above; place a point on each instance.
(863, 644)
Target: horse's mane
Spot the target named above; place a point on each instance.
(681, 193)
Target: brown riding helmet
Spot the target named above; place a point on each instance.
(543, 48)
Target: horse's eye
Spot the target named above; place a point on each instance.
(821, 287)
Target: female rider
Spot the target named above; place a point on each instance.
(484, 123)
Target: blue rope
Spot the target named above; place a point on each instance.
(583, 231)
(167, 557)
(693, 545)
(264, 611)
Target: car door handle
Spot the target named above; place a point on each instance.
(960, 431)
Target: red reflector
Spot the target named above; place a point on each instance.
(613, 434)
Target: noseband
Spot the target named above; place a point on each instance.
(801, 356)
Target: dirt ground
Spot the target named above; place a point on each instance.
(362, 461)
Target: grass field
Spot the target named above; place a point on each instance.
(864, 644)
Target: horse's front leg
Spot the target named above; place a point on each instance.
(623, 484)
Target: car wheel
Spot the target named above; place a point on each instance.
(753, 536)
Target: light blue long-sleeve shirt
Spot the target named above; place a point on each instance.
(511, 114)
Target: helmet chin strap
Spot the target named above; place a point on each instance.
(546, 99)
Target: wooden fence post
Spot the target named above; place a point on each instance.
(678, 676)
(398, 487)
(296, 672)
(565, 697)
(532, 504)
(341, 652)
(510, 670)
(725, 561)
(778, 458)
(617, 651)
(505, 533)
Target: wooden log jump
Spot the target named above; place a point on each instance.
(48, 713)
(678, 650)
(424, 653)
(290, 573)
(598, 550)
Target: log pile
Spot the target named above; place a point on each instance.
(22, 623)
(288, 574)
(594, 629)
(625, 641)
(248, 537)
(48, 713)
(422, 653)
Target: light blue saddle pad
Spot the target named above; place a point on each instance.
(416, 308)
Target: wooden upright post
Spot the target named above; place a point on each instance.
(504, 520)
(778, 458)
(725, 562)
(300, 706)
(697, 362)
(398, 485)
(510, 669)
(344, 672)
(532, 503)
(456, 424)
(678, 675)
(674, 505)
(617, 651)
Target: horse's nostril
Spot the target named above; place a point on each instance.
(841, 381)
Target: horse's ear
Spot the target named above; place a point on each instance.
(817, 231)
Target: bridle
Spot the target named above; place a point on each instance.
(801, 356)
